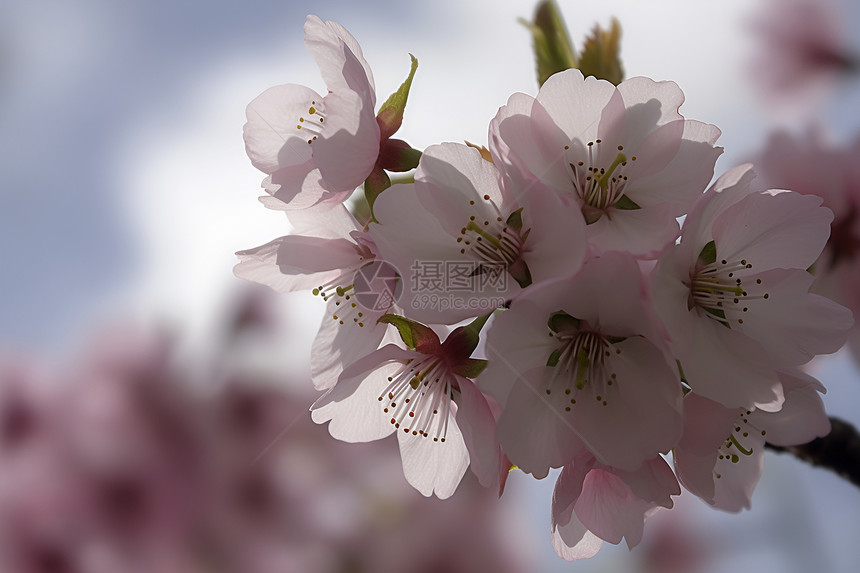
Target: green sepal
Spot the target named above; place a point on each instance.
(415, 335)
(626, 204)
(718, 312)
(599, 57)
(520, 272)
(561, 321)
(708, 255)
(464, 339)
(550, 40)
(377, 182)
(396, 155)
(390, 116)
(470, 368)
(515, 220)
(591, 214)
(554, 357)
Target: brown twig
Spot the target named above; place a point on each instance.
(838, 451)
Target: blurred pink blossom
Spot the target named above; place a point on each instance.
(803, 51)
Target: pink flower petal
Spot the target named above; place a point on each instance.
(784, 230)
(352, 408)
(608, 508)
(568, 487)
(339, 56)
(642, 232)
(791, 325)
(478, 426)
(639, 415)
(574, 541)
(338, 345)
(434, 467)
(347, 150)
(801, 419)
(272, 139)
(533, 433)
(575, 103)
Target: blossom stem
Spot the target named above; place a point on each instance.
(838, 451)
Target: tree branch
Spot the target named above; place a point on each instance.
(838, 451)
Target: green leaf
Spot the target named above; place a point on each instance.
(377, 182)
(561, 321)
(600, 55)
(708, 255)
(626, 204)
(390, 116)
(415, 335)
(515, 220)
(550, 40)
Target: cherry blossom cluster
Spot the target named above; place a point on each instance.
(536, 304)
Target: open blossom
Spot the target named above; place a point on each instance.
(593, 503)
(317, 148)
(720, 458)
(326, 259)
(425, 394)
(463, 229)
(810, 166)
(734, 293)
(580, 361)
(623, 155)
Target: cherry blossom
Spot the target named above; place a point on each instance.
(623, 155)
(593, 503)
(463, 217)
(580, 361)
(325, 260)
(811, 166)
(424, 394)
(317, 148)
(720, 458)
(734, 293)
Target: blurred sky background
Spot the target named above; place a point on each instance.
(125, 189)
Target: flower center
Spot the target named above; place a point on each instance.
(496, 242)
(577, 362)
(719, 291)
(737, 444)
(346, 310)
(310, 124)
(600, 188)
(418, 398)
